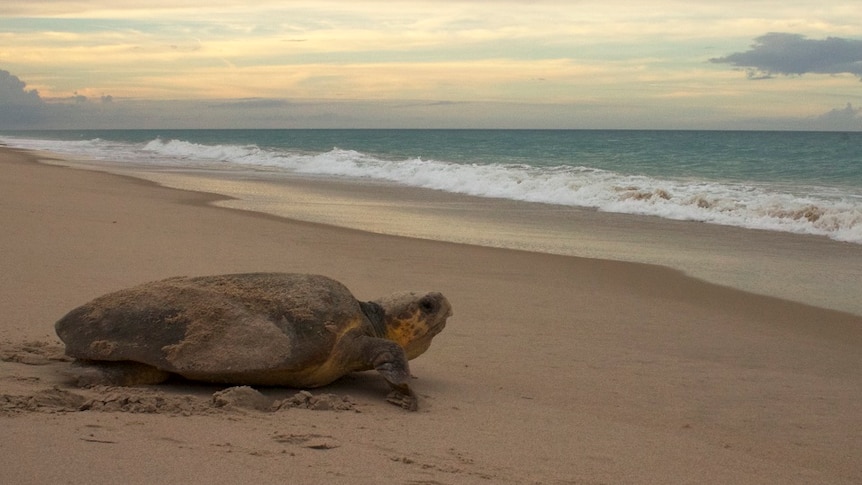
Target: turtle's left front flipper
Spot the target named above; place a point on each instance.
(388, 358)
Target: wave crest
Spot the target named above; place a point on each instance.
(756, 206)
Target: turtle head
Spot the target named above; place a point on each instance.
(412, 319)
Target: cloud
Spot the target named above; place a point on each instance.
(252, 103)
(846, 118)
(794, 54)
(18, 105)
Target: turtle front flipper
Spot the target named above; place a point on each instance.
(388, 358)
(405, 398)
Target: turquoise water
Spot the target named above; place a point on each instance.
(800, 182)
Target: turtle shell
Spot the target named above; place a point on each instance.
(258, 328)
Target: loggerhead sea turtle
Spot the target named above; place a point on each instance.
(273, 329)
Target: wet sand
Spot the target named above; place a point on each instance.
(554, 369)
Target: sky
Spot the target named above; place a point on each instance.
(611, 64)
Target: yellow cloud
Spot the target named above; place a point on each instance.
(539, 52)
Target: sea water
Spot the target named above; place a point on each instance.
(799, 182)
(622, 195)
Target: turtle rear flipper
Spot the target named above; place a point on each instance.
(125, 373)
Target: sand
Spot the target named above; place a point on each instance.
(553, 369)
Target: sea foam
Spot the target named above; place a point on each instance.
(770, 206)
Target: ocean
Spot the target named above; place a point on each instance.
(796, 182)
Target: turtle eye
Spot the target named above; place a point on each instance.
(428, 305)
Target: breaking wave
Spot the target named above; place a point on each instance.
(817, 210)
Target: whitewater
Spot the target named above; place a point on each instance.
(769, 181)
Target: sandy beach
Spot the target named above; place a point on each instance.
(554, 369)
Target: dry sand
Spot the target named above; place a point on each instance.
(553, 369)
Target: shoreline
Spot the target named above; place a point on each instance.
(553, 369)
(809, 269)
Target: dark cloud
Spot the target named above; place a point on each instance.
(794, 54)
(18, 105)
